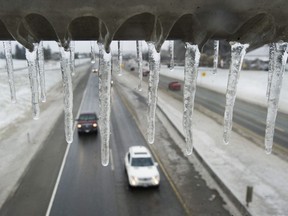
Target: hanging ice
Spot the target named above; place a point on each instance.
(40, 57)
(93, 52)
(105, 106)
(216, 56)
(238, 52)
(171, 51)
(280, 58)
(272, 48)
(72, 57)
(192, 57)
(154, 65)
(140, 63)
(34, 82)
(10, 72)
(68, 93)
(119, 59)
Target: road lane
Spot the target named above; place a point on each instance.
(84, 181)
(87, 188)
(142, 201)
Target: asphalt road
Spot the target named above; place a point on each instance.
(88, 188)
(248, 115)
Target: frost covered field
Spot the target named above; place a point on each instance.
(10, 112)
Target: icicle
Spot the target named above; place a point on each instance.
(140, 63)
(40, 57)
(272, 48)
(105, 107)
(10, 72)
(192, 57)
(238, 52)
(154, 65)
(68, 93)
(119, 59)
(34, 82)
(280, 58)
(171, 51)
(72, 57)
(216, 56)
(93, 52)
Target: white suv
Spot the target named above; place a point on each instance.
(141, 168)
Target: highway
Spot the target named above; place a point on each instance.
(88, 188)
(250, 116)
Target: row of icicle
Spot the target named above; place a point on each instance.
(36, 73)
(35, 60)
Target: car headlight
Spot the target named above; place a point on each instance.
(79, 125)
(156, 179)
(133, 180)
(94, 125)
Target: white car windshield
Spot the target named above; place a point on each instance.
(141, 162)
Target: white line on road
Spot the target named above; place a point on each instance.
(63, 163)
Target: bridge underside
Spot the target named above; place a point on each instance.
(256, 22)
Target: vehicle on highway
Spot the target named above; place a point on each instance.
(87, 123)
(175, 86)
(94, 70)
(140, 167)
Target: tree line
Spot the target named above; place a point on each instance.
(20, 53)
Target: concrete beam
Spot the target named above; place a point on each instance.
(248, 21)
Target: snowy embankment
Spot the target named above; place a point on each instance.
(10, 112)
(251, 87)
(21, 136)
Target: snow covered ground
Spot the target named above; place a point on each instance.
(10, 112)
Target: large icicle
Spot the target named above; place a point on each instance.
(40, 57)
(93, 51)
(119, 59)
(238, 52)
(68, 93)
(154, 65)
(72, 57)
(171, 51)
(192, 57)
(9, 66)
(34, 82)
(105, 106)
(272, 48)
(280, 58)
(216, 56)
(140, 63)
